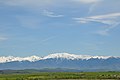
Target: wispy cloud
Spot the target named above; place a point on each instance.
(47, 39)
(91, 8)
(3, 38)
(87, 1)
(27, 3)
(105, 19)
(111, 20)
(105, 32)
(51, 14)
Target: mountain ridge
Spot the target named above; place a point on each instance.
(62, 60)
(4, 59)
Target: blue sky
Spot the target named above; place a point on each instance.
(42, 27)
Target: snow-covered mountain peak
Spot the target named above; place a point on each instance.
(73, 56)
(67, 56)
(11, 58)
(61, 55)
(32, 58)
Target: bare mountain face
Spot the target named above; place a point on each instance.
(61, 60)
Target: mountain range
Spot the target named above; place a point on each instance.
(62, 60)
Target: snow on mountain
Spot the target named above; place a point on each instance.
(11, 58)
(73, 56)
(32, 58)
(67, 56)
(4, 59)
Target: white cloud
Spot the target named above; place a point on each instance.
(88, 1)
(111, 20)
(105, 19)
(105, 6)
(27, 3)
(91, 8)
(51, 14)
(47, 39)
(102, 32)
(2, 38)
(105, 32)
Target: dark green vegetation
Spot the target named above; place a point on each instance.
(34, 75)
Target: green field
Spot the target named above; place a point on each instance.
(62, 76)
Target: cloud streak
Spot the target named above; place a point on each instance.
(88, 1)
(30, 3)
(3, 38)
(105, 19)
(111, 20)
(51, 14)
(47, 39)
(105, 32)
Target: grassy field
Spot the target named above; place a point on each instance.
(62, 76)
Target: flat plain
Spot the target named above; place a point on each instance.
(61, 76)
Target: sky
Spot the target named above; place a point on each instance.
(42, 27)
